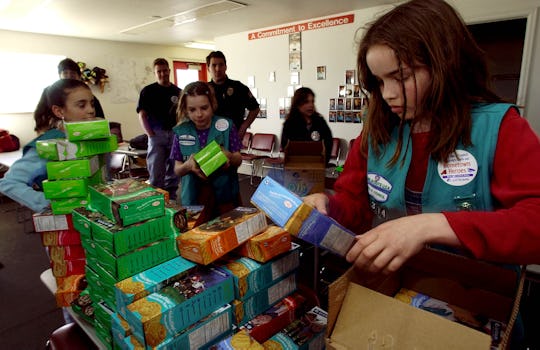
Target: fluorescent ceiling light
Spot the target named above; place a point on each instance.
(4, 4)
(188, 16)
(185, 21)
(198, 45)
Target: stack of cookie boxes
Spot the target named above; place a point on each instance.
(184, 304)
(66, 254)
(74, 164)
(304, 333)
(125, 230)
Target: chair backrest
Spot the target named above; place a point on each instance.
(263, 142)
(336, 151)
(117, 165)
(336, 148)
(116, 129)
(246, 140)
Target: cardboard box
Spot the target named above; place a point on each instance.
(304, 167)
(363, 312)
(103, 332)
(68, 267)
(103, 314)
(239, 341)
(150, 281)
(210, 241)
(66, 205)
(143, 258)
(90, 250)
(266, 245)
(101, 285)
(248, 308)
(251, 276)
(278, 203)
(69, 289)
(127, 201)
(275, 318)
(120, 331)
(202, 333)
(83, 305)
(47, 221)
(193, 212)
(287, 210)
(90, 129)
(210, 158)
(198, 336)
(68, 252)
(82, 220)
(69, 169)
(62, 149)
(119, 239)
(161, 315)
(54, 238)
(454, 313)
(304, 333)
(68, 188)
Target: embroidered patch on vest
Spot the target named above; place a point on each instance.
(186, 140)
(378, 187)
(460, 169)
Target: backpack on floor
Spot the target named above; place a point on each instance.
(139, 142)
(8, 142)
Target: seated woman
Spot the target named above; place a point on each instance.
(304, 123)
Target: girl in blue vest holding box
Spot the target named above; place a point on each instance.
(440, 159)
(198, 126)
(66, 100)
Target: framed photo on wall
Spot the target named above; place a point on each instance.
(349, 76)
(321, 73)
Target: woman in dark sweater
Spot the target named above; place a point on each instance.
(304, 123)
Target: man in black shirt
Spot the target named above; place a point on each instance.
(157, 121)
(232, 96)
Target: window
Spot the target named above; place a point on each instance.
(187, 72)
(24, 76)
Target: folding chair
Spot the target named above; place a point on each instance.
(262, 147)
(246, 142)
(119, 166)
(336, 152)
(274, 163)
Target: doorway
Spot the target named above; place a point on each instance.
(187, 72)
(503, 43)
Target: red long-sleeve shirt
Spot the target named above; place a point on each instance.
(510, 233)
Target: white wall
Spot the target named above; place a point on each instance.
(129, 67)
(335, 48)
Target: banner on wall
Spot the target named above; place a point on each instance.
(301, 27)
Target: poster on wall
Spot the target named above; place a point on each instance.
(295, 78)
(284, 107)
(321, 72)
(251, 81)
(295, 61)
(349, 76)
(262, 108)
(295, 42)
(295, 51)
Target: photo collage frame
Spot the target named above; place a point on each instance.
(349, 105)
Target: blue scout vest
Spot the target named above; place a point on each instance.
(462, 183)
(224, 182)
(47, 135)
